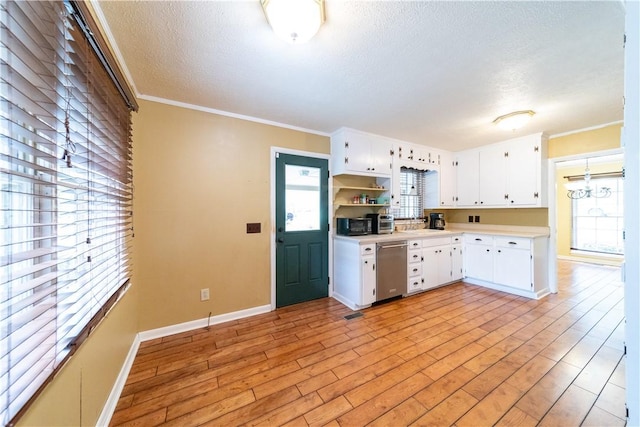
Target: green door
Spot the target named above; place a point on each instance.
(302, 228)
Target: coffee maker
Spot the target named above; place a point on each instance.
(436, 221)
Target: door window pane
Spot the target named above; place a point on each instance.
(302, 198)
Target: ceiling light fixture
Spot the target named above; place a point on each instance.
(575, 191)
(515, 120)
(295, 21)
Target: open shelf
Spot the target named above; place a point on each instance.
(360, 188)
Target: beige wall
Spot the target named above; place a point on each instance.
(199, 178)
(605, 138)
(534, 217)
(90, 374)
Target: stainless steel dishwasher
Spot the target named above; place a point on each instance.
(391, 273)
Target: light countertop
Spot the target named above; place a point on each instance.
(452, 230)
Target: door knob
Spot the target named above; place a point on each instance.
(280, 240)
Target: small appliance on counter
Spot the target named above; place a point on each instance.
(353, 226)
(436, 221)
(381, 223)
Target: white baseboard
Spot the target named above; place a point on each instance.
(118, 386)
(114, 396)
(508, 289)
(202, 323)
(593, 260)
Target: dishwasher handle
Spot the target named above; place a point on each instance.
(399, 245)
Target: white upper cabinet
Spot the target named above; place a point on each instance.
(359, 153)
(493, 176)
(468, 171)
(448, 180)
(510, 173)
(527, 172)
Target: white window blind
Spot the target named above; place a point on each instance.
(66, 194)
(411, 193)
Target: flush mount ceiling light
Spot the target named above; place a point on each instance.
(295, 21)
(515, 120)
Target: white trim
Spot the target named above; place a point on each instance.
(272, 226)
(553, 209)
(106, 31)
(572, 132)
(112, 401)
(589, 260)
(515, 291)
(202, 323)
(230, 114)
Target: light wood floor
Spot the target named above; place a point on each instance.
(458, 355)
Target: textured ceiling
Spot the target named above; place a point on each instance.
(435, 73)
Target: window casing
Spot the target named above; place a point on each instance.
(66, 194)
(597, 223)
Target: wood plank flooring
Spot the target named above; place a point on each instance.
(459, 355)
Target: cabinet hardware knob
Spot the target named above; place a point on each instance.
(513, 243)
(488, 250)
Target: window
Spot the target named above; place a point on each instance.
(66, 193)
(598, 222)
(411, 193)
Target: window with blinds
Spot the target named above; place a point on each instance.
(411, 193)
(66, 194)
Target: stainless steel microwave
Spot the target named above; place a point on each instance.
(354, 226)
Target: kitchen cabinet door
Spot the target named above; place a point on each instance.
(492, 175)
(358, 153)
(436, 267)
(447, 180)
(380, 158)
(524, 173)
(467, 178)
(478, 261)
(456, 262)
(513, 262)
(368, 274)
(355, 152)
(513, 268)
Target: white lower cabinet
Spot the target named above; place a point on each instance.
(368, 267)
(432, 261)
(414, 266)
(512, 264)
(457, 271)
(478, 261)
(354, 272)
(436, 266)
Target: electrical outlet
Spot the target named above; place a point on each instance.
(253, 227)
(204, 294)
(477, 218)
(470, 218)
